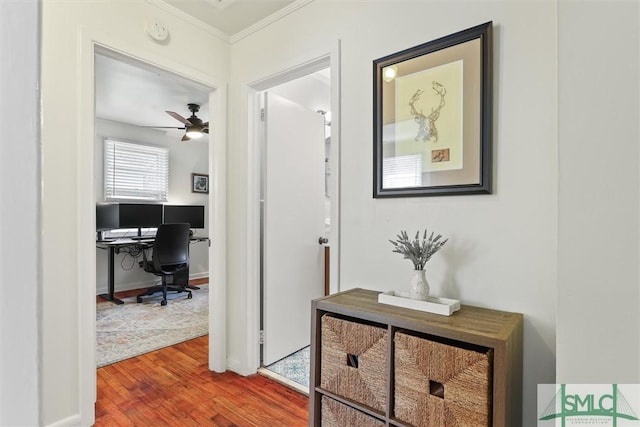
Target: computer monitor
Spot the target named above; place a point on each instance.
(193, 214)
(107, 216)
(139, 215)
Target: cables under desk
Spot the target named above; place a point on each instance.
(131, 255)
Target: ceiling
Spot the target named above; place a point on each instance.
(230, 16)
(135, 93)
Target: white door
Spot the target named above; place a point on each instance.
(293, 260)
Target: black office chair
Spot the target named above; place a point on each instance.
(170, 257)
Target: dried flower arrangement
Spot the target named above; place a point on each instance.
(416, 250)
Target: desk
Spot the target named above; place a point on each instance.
(114, 247)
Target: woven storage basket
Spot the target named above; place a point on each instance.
(335, 414)
(440, 385)
(341, 340)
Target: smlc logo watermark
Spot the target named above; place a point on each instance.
(574, 405)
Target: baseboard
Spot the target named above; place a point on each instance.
(122, 287)
(284, 381)
(72, 421)
(199, 275)
(234, 365)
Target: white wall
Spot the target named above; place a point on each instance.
(598, 330)
(19, 213)
(309, 91)
(184, 159)
(502, 250)
(68, 28)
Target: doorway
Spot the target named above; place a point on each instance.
(296, 210)
(132, 101)
(90, 44)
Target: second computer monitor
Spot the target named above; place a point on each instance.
(193, 214)
(138, 215)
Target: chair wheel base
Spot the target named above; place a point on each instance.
(155, 289)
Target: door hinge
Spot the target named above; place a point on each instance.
(262, 114)
(261, 337)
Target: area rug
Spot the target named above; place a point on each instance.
(294, 367)
(131, 329)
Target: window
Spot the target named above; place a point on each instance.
(135, 172)
(402, 171)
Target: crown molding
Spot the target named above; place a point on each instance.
(298, 4)
(191, 20)
(220, 4)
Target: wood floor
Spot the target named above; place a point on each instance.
(174, 387)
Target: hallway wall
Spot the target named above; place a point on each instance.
(68, 28)
(20, 237)
(599, 192)
(502, 250)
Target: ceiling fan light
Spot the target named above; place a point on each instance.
(194, 133)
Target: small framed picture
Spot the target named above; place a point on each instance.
(199, 183)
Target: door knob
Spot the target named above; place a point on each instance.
(323, 240)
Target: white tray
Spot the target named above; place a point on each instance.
(443, 306)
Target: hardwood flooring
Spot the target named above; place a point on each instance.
(174, 387)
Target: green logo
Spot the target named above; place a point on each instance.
(588, 407)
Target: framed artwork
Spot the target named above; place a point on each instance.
(199, 183)
(432, 117)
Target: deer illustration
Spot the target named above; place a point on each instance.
(427, 124)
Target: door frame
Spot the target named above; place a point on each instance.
(90, 42)
(254, 156)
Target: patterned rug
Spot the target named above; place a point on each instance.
(131, 329)
(294, 367)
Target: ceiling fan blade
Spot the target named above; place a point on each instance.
(178, 117)
(185, 138)
(163, 127)
(205, 130)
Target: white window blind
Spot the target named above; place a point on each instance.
(402, 171)
(135, 171)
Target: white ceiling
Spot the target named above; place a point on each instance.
(135, 93)
(138, 94)
(230, 16)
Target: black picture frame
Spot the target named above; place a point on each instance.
(448, 151)
(199, 183)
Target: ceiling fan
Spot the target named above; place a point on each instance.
(193, 126)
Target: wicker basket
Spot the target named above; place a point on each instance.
(354, 360)
(440, 385)
(335, 414)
